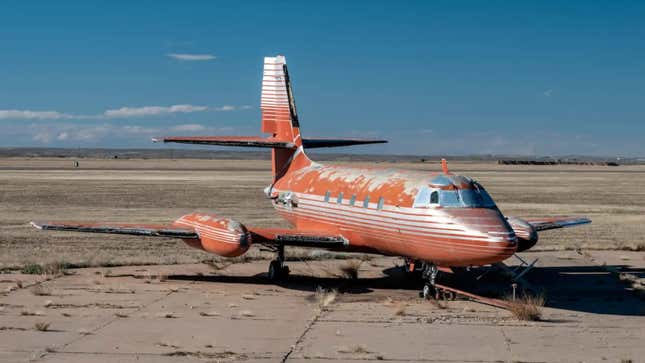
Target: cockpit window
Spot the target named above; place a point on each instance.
(450, 198)
(422, 199)
(473, 197)
(434, 197)
(425, 197)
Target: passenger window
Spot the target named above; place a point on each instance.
(339, 200)
(352, 200)
(434, 197)
(366, 202)
(327, 195)
(381, 201)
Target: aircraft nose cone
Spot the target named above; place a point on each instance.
(486, 222)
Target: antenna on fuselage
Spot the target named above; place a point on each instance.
(444, 166)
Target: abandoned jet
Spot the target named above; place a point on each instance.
(434, 221)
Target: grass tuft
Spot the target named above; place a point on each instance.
(350, 269)
(399, 309)
(41, 326)
(527, 307)
(31, 313)
(32, 269)
(354, 349)
(325, 297)
(168, 315)
(54, 268)
(41, 290)
(209, 313)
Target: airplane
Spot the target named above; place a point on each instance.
(434, 221)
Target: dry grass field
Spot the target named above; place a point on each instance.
(162, 190)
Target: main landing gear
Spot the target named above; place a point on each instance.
(277, 269)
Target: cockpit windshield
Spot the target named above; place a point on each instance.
(473, 197)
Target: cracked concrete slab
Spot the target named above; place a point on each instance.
(197, 313)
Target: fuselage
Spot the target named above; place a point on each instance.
(447, 219)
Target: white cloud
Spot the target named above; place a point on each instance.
(139, 130)
(43, 137)
(225, 108)
(62, 136)
(33, 115)
(152, 110)
(123, 112)
(188, 127)
(191, 57)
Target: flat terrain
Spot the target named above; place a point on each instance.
(163, 190)
(187, 306)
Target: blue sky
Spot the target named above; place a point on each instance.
(438, 77)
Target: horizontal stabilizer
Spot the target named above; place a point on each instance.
(317, 143)
(152, 230)
(258, 141)
(554, 223)
(245, 141)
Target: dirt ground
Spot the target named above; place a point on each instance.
(176, 304)
(163, 190)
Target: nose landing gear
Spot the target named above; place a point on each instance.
(430, 289)
(429, 274)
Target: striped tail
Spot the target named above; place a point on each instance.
(279, 115)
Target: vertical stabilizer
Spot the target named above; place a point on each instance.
(279, 114)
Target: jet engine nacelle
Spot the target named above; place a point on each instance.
(526, 234)
(221, 236)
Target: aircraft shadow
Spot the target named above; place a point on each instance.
(577, 288)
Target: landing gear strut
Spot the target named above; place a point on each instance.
(277, 269)
(429, 274)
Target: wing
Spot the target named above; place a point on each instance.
(557, 222)
(151, 230)
(267, 236)
(294, 237)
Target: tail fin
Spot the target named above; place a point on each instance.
(279, 115)
(280, 119)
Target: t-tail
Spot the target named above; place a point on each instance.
(280, 120)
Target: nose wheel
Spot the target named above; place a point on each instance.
(429, 274)
(278, 271)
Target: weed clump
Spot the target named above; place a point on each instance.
(350, 269)
(527, 307)
(325, 297)
(41, 290)
(41, 326)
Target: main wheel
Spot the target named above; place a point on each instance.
(274, 270)
(426, 293)
(277, 272)
(284, 273)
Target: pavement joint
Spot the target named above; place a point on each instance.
(102, 326)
